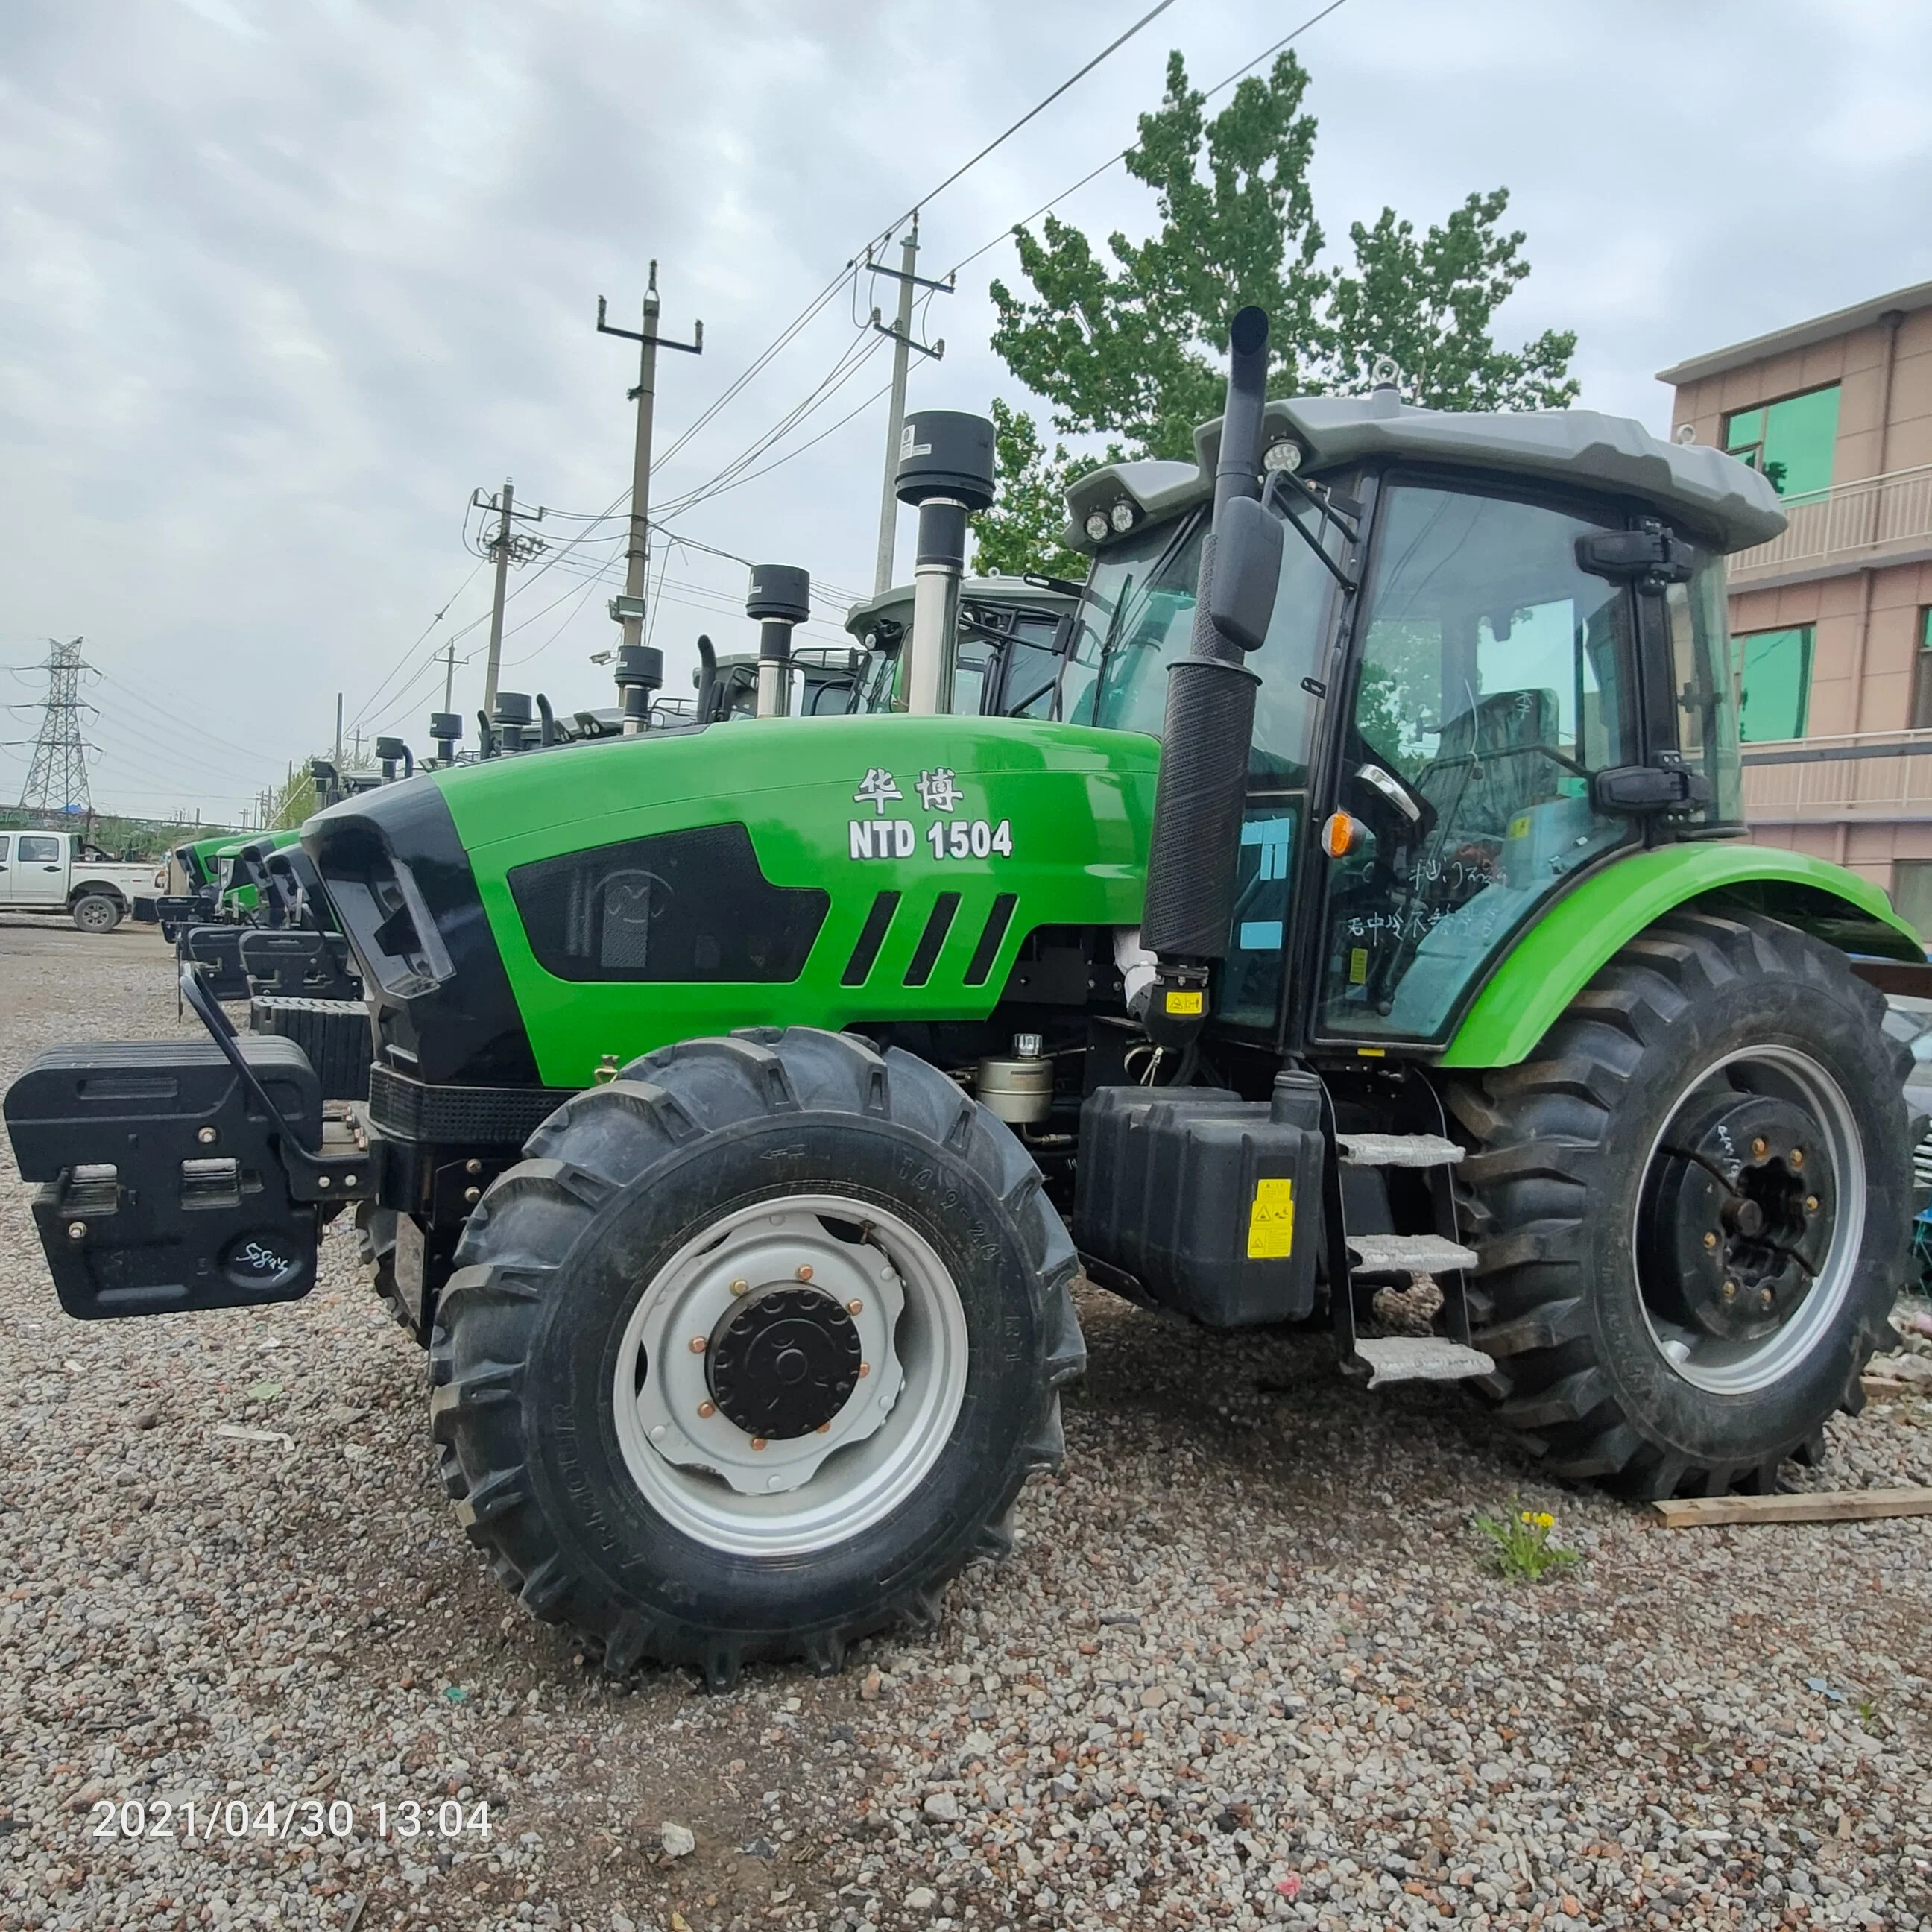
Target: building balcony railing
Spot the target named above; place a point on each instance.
(1872, 776)
(1879, 520)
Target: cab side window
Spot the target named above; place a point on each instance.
(1496, 677)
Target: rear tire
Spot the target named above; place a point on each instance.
(96, 912)
(1644, 1335)
(570, 1403)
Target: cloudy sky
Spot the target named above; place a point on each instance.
(282, 281)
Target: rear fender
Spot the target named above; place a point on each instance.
(1553, 961)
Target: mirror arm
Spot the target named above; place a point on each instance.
(1301, 530)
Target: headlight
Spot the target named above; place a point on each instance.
(1285, 454)
(1121, 516)
(1097, 526)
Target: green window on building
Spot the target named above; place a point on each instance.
(1921, 675)
(1791, 441)
(1774, 670)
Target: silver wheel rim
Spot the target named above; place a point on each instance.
(1722, 1367)
(702, 1473)
(96, 916)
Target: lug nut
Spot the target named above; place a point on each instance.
(322, 1180)
(741, 1287)
(758, 1442)
(698, 1345)
(76, 1231)
(207, 1136)
(865, 1369)
(1797, 1157)
(1729, 1291)
(1810, 1203)
(707, 1410)
(804, 1271)
(825, 1429)
(1765, 1299)
(473, 1167)
(473, 1194)
(855, 1307)
(1710, 1240)
(1760, 1146)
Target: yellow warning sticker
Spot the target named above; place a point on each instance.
(1187, 1002)
(1519, 826)
(1358, 966)
(1271, 1221)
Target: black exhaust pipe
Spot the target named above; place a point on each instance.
(707, 678)
(1194, 853)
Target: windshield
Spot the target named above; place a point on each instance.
(1137, 617)
(1134, 620)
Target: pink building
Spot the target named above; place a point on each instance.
(1831, 623)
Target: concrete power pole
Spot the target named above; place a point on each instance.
(903, 345)
(506, 547)
(628, 610)
(56, 783)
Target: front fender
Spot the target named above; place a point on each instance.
(1561, 954)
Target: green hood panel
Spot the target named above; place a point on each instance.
(1559, 955)
(1073, 805)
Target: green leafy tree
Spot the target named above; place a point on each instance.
(1132, 342)
(1021, 532)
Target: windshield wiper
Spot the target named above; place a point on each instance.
(1111, 642)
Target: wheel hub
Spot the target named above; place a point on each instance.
(782, 1363)
(1740, 1216)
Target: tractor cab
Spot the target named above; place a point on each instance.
(1464, 704)
(1011, 634)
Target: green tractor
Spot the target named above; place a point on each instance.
(1371, 911)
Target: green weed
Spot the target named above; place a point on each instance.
(1520, 1547)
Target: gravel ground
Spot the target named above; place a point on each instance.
(1245, 1667)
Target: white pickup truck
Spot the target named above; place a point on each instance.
(49, 872)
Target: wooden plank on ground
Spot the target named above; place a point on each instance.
(1820, 1506)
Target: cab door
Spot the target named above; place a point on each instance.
(38, 869)
(1493, 676)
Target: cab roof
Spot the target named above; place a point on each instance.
(1015, 592)
(1710, 495)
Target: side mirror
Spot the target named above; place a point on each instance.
(1246, 572)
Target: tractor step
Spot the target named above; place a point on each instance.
(1408, 1254)
(1419, 1358)
(1397, 1151)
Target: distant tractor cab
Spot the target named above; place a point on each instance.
(1011, 634)
(1362, 903)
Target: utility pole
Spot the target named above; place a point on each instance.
(448, 673)
(903, 345)
(628, 610)
(338, 730)
(506, 547)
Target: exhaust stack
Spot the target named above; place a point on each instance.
(640, 672)
(780, 599)
(945, 468)
(1194, 852)
(445, 728)
(512, 720)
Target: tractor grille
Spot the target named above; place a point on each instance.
(414, 1110)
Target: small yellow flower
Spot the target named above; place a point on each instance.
(1545, 1520)
(1527, 1517)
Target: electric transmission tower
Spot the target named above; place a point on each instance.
(57, 775)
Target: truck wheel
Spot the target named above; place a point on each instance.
(753, 1351)
(376, 1249)
(1693, 1207)
(96, 913)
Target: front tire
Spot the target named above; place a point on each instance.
(96, 912)
(1693, 1207)
(753, 1351)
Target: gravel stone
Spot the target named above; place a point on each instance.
(1244, 1668)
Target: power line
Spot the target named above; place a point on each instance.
(812, 308)
(1219, 87)
(1113, 47)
